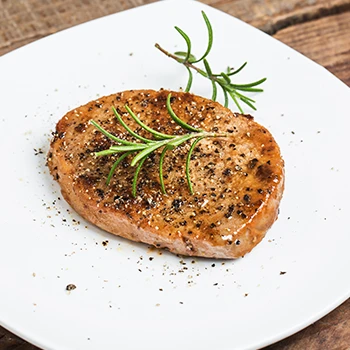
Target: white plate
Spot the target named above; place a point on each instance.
(123, 299)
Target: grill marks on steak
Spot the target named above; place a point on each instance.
(238, 180)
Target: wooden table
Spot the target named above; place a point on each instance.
(320, 29)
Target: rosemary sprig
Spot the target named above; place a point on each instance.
(223, 79)
(143, 149)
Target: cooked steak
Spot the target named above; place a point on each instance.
(237, 180)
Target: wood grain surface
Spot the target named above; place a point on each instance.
(23, 21)
(274, 15)
(330, 39)
(320, 29)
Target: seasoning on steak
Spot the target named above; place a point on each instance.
(237, 180)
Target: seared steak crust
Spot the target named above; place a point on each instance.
(237, 180)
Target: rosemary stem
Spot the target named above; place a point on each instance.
(203, 134)
(213, 77)
(186, 64)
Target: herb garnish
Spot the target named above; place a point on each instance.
(223, 79)
(167, 142)
(147, 146)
